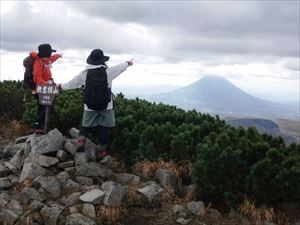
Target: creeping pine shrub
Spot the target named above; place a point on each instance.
(12, 96)
(234, 163)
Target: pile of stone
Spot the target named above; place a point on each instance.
(45, 179)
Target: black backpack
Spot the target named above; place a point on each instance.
(28, 74)
(97, 94)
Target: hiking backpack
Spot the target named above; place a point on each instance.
(97, 94)
(28, 74)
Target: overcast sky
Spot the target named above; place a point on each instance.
(255, 45)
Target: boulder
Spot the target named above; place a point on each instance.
(4, 171)
(150, 190)
(22, 139)
(79, 219)
(95, 196)
(5, 183)
(74, 132)
(51, 142)
(184, 221)
(4, 199)
(80, 158)
(18, 159)
(89, 210)
(107, 161)
(42, 160)
(66, 164)
(31, 171)
(197, 208)
(84, 180)
(179, 210)
(50, 184)
(71, 185)
(62, 177)
(71, 199)
(7, 216)
(51, 214)
(114, 193)
(70, 147)
(167, 178)
(30, 194)
(62, 155)
(36, 205)
(93, 169)
(15, 207)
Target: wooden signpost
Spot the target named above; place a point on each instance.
(47, 93)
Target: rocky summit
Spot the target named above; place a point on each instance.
(45, 179)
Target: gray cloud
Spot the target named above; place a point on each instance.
(170, 29)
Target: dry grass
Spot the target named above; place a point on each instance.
(13, 129)
(148, 169)
(110, 214)
(258, 215)
(168, 195)
(27, 183)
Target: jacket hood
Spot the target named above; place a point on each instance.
(33, 55)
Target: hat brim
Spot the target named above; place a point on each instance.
(92, 61)
(53, 50)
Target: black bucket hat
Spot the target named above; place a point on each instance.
(45, 50)
(97, 57)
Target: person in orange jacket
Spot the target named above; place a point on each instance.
(42, 75)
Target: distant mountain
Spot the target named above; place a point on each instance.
(216, 95)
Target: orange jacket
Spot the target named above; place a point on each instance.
(41, 67)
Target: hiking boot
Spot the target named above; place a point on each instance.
(101, 154)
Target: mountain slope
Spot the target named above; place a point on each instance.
(216, 95)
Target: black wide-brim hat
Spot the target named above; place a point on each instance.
(97, 57)
(45, 50)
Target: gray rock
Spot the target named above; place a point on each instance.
(11, 167)
(29, 194)
(179, 210)
(150, 190)
(22, 139)
(215, 214)
(31, 171)
(51, 214)
(27, 146)
(184, 221)
(4, 171)
(13, 179)
(7, 216)
(15, 207)
(95, 196)
(62, 155)
(93, 169)
(167, 178)
(70, 169)
(84, 180)
(90, 149)
(197, 208)
(71, 185)
(89, 210)
(64, 165)
(296, 223)
(42, 160)
(74, 132)
(4, 199)
(18, 159)
(80, 158)
(79, 219)
(62, 177)
(71, 199)
(73, 209)
(51, 142)
(15, 148)
(36, 205)
(5, 183)
(127, 178)
(50, 184)
(70, 147)
(107, 160)
(114, 193)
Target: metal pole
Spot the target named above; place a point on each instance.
(47, 115)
